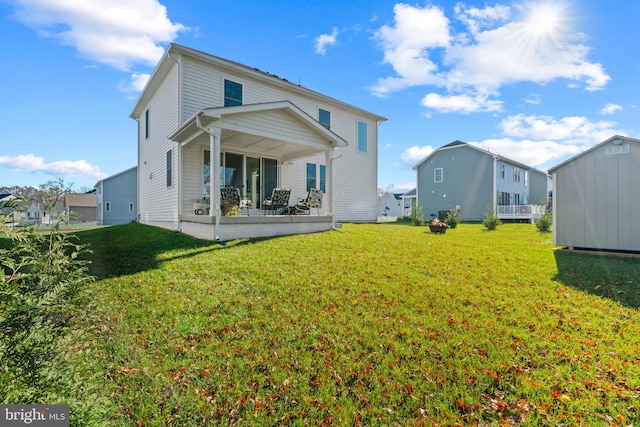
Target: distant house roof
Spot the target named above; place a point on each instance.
(410, 193)
(114, 175)
(458, 143)
(80, 200)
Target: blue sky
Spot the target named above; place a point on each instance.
(536, 81)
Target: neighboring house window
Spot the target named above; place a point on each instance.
(146, 124)
(438, 175)
(516, 174)
(323, 178)
(516, 199)
(362, 137)
(502, 171)
(107, 206)
(504, 199)
(324, 117)
(526, 178)
(169, 168)
(232, 93)
(130, 206)
(311, 176)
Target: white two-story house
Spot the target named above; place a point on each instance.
(205, 123)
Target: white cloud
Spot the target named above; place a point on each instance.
(532, 42)
(135, 84)
(461, 103)
(533, 99)
(610, 109)
(406, 46)
(324, 40)
(411, 156)
(118, 33)
(575, 130)
(532, 153)
(63, 168)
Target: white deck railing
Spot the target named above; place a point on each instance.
(520, 211)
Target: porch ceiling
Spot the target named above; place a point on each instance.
(252, 128)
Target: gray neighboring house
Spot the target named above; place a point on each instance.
(116, 198)
(470, 179)
(596, 197)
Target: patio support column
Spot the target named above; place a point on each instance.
(214, 177)
(329, 185)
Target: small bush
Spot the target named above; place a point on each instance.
(417, 216)
(453, 218)
(545, 221)
(41, 299)
(491, 220)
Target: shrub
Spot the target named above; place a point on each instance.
(229, 208)
(417, 216)
(545, 221)
(453, 218)
(41, 298)
(491, 220)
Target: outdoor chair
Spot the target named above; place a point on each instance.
(229, 197)
(279, 200)
(313, 200)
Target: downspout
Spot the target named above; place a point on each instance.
(331, 211)
(214, 191)
(495, 187)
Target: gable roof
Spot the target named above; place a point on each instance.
(174, 51)
(113, 176)
(272, 140)
(613, 139)
(460, 144)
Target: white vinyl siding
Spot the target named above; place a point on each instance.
(157, 203)
(202, 87)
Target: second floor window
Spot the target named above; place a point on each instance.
(146, 124)
(232, 93)
(516, 174)
(438, 175)
(324, 117)
(362, 137)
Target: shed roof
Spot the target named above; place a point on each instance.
(613, 140)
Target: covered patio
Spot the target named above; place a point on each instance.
(254, 148)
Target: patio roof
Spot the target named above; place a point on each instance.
(278, 129)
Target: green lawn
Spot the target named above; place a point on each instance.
(381, 324)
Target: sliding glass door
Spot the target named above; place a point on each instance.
(255, 177)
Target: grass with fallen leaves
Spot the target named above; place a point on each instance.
(383, 324)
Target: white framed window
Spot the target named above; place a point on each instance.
(169, 168)
(502, 170)
(324, 117)
(438, 175)
(362, 137)
(516, 174)
(146, 124)
(232, 93)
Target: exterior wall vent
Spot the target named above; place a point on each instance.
(617, 149)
